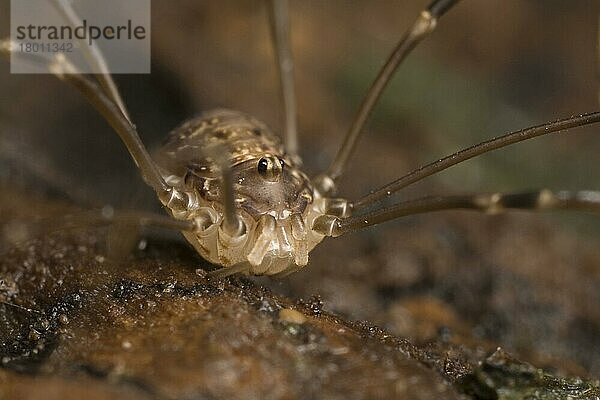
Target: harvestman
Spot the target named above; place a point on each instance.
(238, 195)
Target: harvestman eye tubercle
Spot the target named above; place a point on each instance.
(238, 193)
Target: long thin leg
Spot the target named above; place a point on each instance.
(228, 271)
(233, 224)
(280, 32)
(473, 151)
(490, 203)
(64, 70)
(26, 159)
(94, 57)
(126, 131)
(423, 26)
(598, 56)
(16, 232)
(7, 303)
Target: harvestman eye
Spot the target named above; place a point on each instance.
(263, 166)
(262, 240)
(270, 168)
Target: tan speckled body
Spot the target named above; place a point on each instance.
(276, 206)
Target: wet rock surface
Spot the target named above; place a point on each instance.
(75, 323)
(154, 327)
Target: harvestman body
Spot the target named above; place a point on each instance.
(237, 192)
(274, 200)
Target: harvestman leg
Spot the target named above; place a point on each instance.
(36, 166)
(473, 151)
(492, 203)
(228, 271)
(7, 303)
(64, 70)
(94, 57)
(280, 32)
(422, 27)
(113, 115)
(332, 225)
(128, 134)
(60, 67)
(598, 56)
(20, 232)
(232, 222)
(111, 112)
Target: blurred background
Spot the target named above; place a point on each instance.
(528, 282)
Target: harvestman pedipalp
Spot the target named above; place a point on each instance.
(239, 196)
